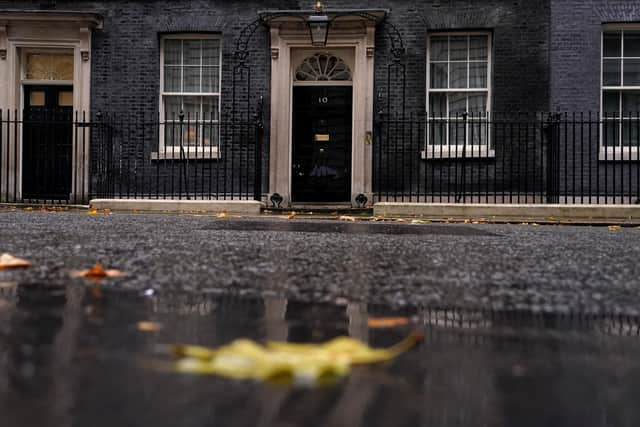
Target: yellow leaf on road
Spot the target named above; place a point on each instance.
(9, 261)
(614, 228)
(92, 211)
(301, 364)
(347, 218)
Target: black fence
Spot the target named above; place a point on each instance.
(59, 157)
(578, 158)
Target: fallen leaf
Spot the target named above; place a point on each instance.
(9, 261)
(401, 220)
(28, 209)
(467, 221)
(346, 218)
(534, 224)
(614, 228)
(292, 215)
(420, 221)
(147, 326)
(222, 215)
(92, 211)
(387, 322)
(98, 273)
(107, 211)
(300, 364)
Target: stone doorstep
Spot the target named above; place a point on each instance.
(513, 212)
(242, 207)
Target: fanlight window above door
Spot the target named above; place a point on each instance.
(44, 66)
(323, 67)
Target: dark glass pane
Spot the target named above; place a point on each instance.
(192, 52)
(457, 104)
(611, 133)
(611, 103)
(632, 44)
(630, 103)
(478, 75)
(458, 75)
(172, 52)
(437, 133)
(630, 133)
(478, 48)
(611, 72)
(458, 48)
(477, 103)
(612, 44)
(457, 133)
(438, 105)
(438, 49)
(210, 52)
(439, 76)
(172, 78)
(631, 72)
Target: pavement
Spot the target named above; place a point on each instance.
(561, 269)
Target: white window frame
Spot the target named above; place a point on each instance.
(619, 152)
(468, 150)
(193, 152)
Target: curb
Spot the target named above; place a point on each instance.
(242, 207)
(510, 212)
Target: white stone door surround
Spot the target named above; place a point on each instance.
(351, 39)
(44, 31)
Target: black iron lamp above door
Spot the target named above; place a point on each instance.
(318, 26)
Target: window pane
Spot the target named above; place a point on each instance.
(631, 72)
(611, 101)
(611, 72)
(210, 52)
(477, 103)
(611, 133)
(439, 47)
(437, 133)
(630, 133)
(172, 107)
(172, 52)
(458, 75)
(191, 105)
(478, 48)
(478, 75)
(478, 133)
(457, 104)
(191, 79)
(457, 133)
(210, 108)
(632, 43)
(210, 136)
(439, 76)
(612, 45)
(42, 66)
(630, 103)
(458, 48)
(438, 105)
(191, 52)
(210, 79)
(172, 79)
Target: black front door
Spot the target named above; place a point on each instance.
(47, 142)
(321, 162)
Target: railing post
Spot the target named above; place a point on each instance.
(258, 129)
(553, 158)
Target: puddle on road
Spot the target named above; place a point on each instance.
(316, 226)
(70, 356)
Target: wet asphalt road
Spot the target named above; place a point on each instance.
(524, 326)
(548, 268)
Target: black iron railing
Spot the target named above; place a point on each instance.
(577, 158)
(55, 158)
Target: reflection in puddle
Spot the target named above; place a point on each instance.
(70, 356)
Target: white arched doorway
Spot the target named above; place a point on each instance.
(342, 72)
